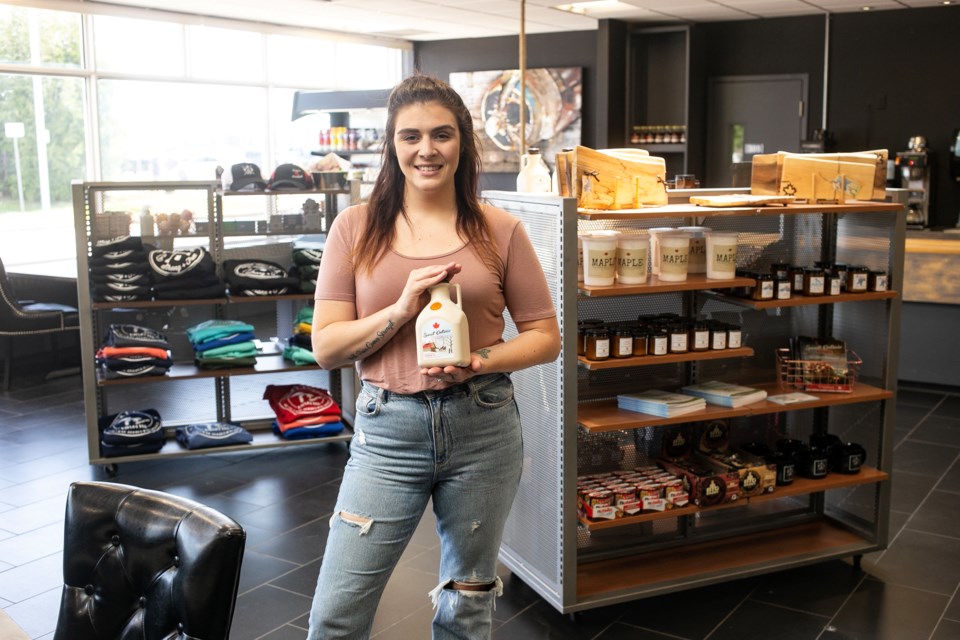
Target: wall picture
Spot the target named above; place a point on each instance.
(551, 112)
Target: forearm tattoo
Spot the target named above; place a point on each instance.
(483, 353)
(359, 353)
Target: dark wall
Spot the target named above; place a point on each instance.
(574, 49)
(894, 75)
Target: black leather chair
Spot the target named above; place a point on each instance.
(145, 564)
(19, 320)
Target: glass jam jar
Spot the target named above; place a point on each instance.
(813, 282)
(718, 336)
(833, 285)
(779, 269)
(622, 343)
(763, 290)
(639, 342)
(877, 281)
(699, 336)
(597, 344)
(659, 343)
(858, 279)
(796, 273)
(734, 337)
(782, 288)
(679, 339)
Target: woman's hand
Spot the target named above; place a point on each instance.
(409, 304)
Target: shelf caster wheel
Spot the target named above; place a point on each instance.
(856, 562)
(111, 469)
(574, 617)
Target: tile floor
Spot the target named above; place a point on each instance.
(283, 499)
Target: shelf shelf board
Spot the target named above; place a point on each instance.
(261, 439)
(694, 211)
(694, 282)
(344, 153)
(155, 304)
(703, 563)
(284, 192)
(801, 300)
(799, 487)
(661, 147)
(648, 360)
(598, 417)
(270, 363)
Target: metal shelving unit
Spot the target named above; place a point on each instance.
(188, 394)
(572, 424)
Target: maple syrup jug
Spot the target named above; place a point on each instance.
(443, 336)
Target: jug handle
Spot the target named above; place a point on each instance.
(456, 286)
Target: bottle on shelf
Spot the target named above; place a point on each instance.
(534, 176)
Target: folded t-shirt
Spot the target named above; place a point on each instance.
(212, 434)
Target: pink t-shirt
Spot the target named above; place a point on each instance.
(523, 290)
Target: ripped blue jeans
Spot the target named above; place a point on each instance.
(463, 448)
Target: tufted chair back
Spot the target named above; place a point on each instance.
(147, 565)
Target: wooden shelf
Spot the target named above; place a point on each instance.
(598, 417)
(283, 192)
(694, 282)
(155, 304)
(801, 300)
(799, 487)
(688, 210)
(266, 363)
(703, 563)
(661, 147)
(648, 360)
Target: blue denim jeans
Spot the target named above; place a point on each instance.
(463, 448)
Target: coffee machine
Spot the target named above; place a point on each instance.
(914, 171)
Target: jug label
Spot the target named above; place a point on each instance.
(436, 339)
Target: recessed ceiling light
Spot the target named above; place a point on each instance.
(866, 8)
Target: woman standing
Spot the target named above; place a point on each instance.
(449, 434)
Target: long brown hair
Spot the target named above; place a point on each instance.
(386, 199)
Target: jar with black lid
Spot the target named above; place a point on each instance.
(858, 279)
(679, 339)
(877, 281)
(718, 335)
(782, 288)
(833, 285)
(639, 342)
(795, 273)
(779, 269)
(659, 344)
(734, 336)
(763, 290)
(597, 344)
(841, 270)
(699, 336)
(582, 327)
(813, 282)
(622, 342)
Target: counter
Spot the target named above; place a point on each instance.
(931, 269)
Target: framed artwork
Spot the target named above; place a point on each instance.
(552, 112)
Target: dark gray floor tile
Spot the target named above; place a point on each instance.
(265, 609)
(923, 459)
(953, 610)
(620, 631)
(921, 560)
(258, 569)
(33, 516)
(947, 630)
(951, 479)
(938, 430)
(284, 515)
(415, 625)
(300, 545)
(286, 632)
(907, 490)
(406, 594)
(517, 596)
(907, 417)
(950, 406)
(302, 580)
(42, 542)
(939, 513)
(820, 589)
(758, 621)
(897, 520)
(906, 613)
(541, 621)
(671, 613)
(918, 398)
(32, 578)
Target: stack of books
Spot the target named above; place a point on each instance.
(725, 394)
(660, 403)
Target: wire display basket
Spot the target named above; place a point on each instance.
(826, 376)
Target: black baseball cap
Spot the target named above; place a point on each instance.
(246, 175)
(290, 176)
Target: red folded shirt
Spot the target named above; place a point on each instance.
(292, 402)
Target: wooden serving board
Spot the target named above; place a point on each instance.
(604, 181)
(767, 172)
(816, 179)
(740, 200)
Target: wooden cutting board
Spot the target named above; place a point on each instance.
(767, 171)
(740, 200)
(817, 179)
(604, 181)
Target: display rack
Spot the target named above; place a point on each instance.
(188, 394)
(572, 425)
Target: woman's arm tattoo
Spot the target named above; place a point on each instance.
(356, 355)
(483, 353)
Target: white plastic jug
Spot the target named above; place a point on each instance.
(443, 335)
(534, 176)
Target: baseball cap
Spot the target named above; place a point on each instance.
(290, 176)
(246, 175)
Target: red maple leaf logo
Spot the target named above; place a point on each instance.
(436, 325)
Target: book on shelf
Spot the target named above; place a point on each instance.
(665, 404)
(725, 394)
(792, 398)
